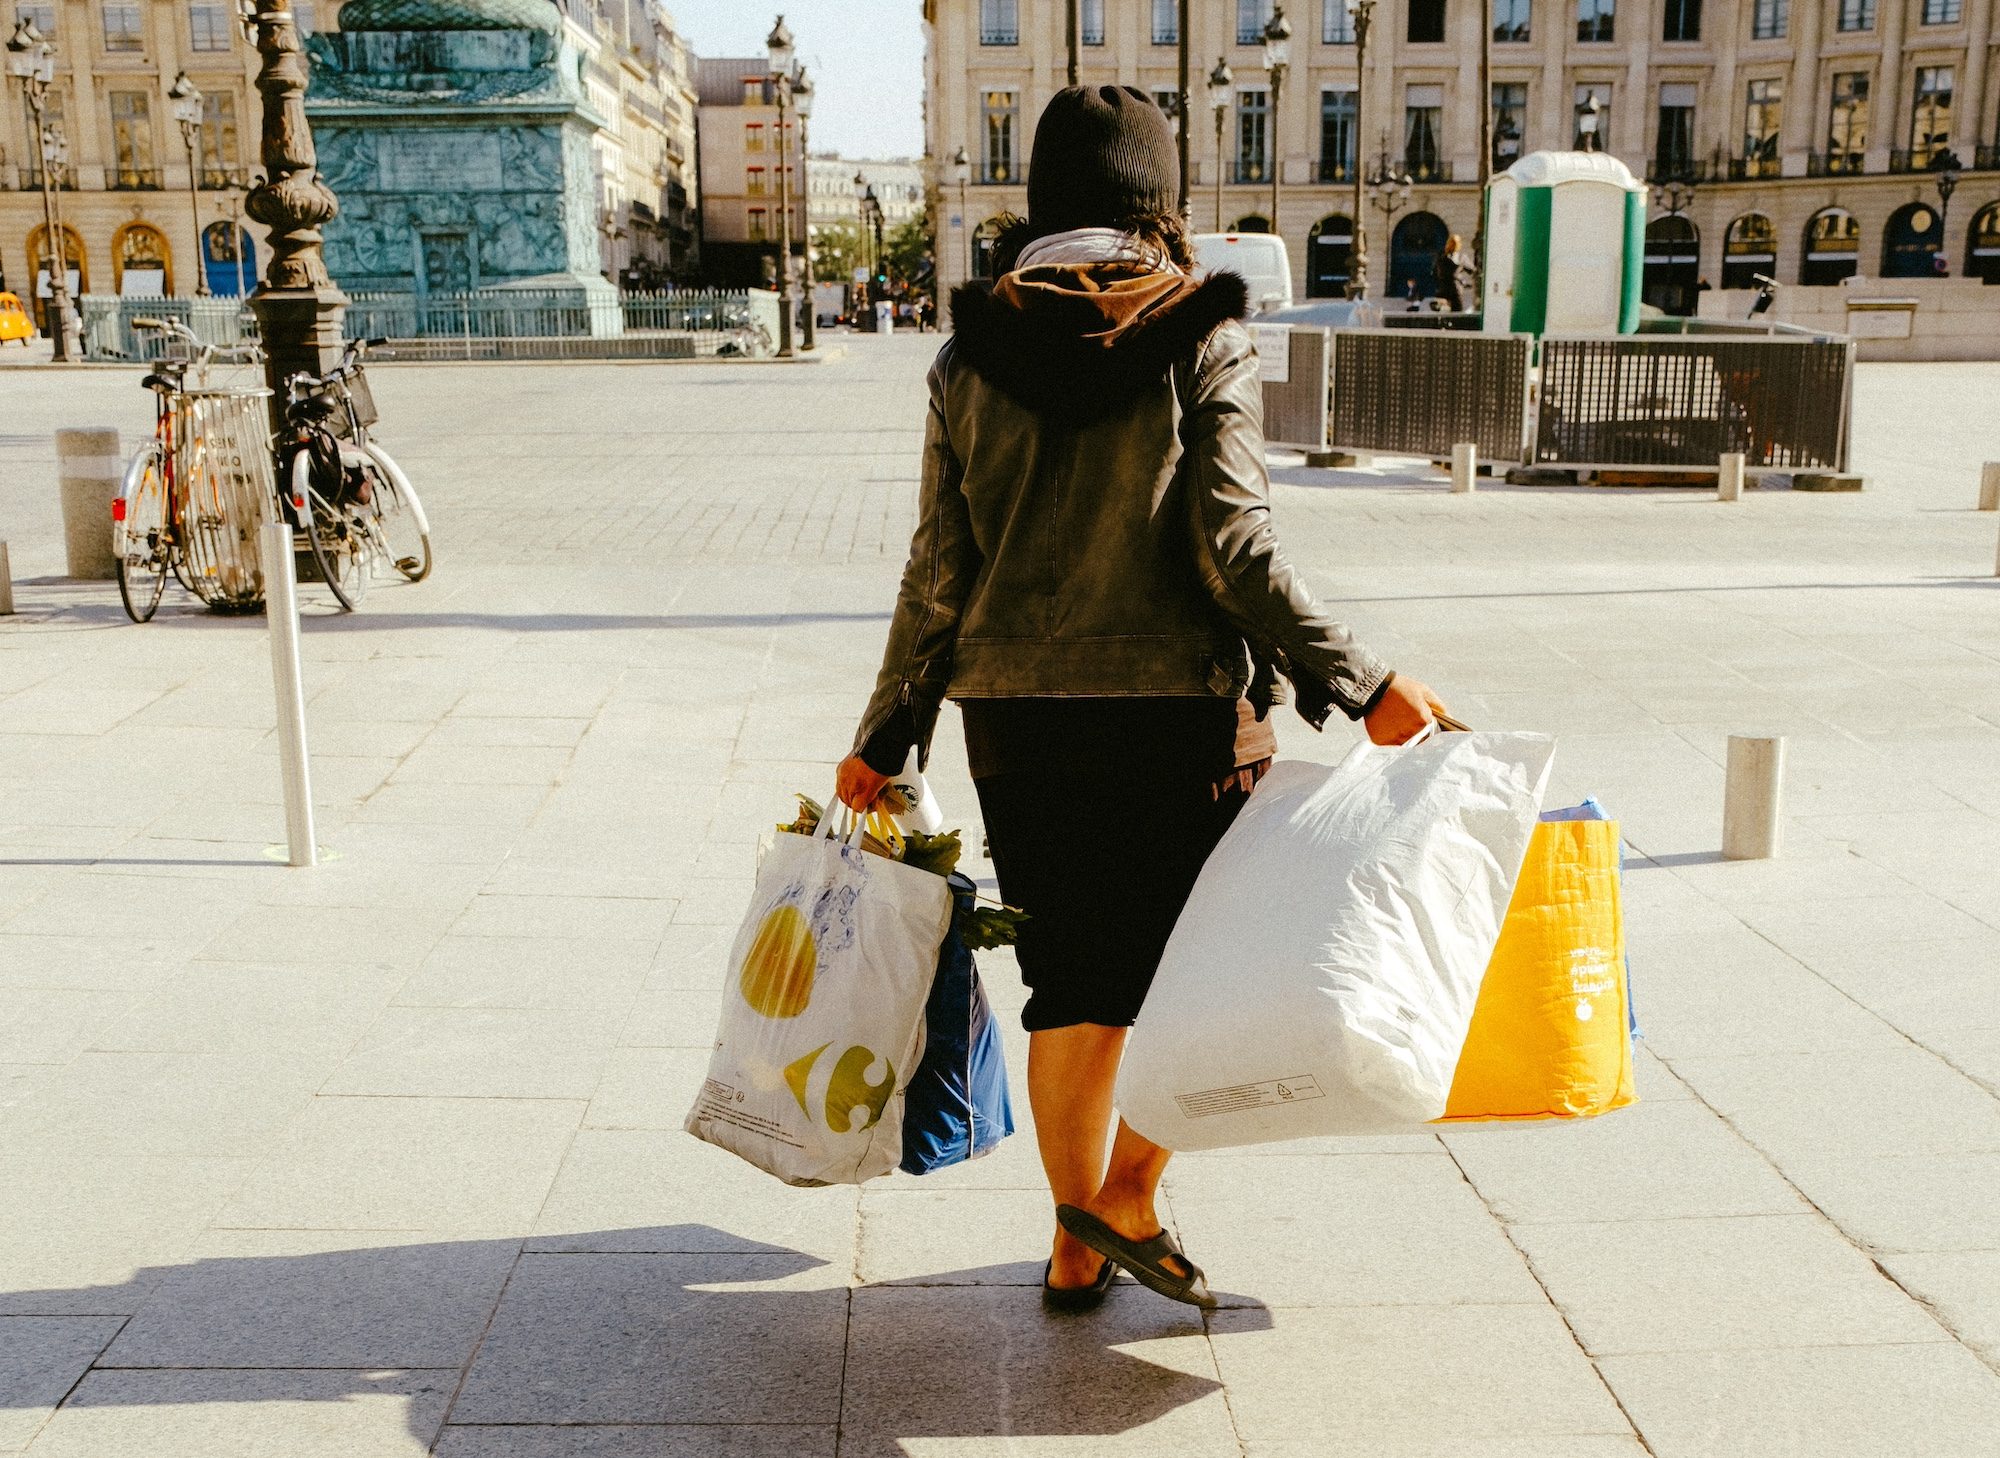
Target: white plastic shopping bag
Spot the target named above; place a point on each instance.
(1323, 974)
(823, 1013)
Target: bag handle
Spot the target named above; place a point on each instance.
(857, 824)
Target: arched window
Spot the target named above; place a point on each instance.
(1414, 250)
(76, 264)
(1749, 248)
(1672, 280)
(141, 263)
(1833, 247)
(1329, 251)
(1912, 241)
(229, 258)
(983, 238)
(1251, 223)
(1982, 245)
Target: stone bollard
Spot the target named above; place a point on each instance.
(1989, 486)
(1464, 468)
(90, 469)
(6, 584)
(1753, 798)
(1729, 477)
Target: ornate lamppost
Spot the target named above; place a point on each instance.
(31, 60)
(1674, 197)
(1389, 190)
(186, 99)
(802, 100)
(1947, 167)
(1277, 60)
(1184, 99)
(1361, 13)
(961, 173)
(778, 48)
(299, 309)
(1220, 82)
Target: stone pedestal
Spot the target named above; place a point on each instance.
(90, 469)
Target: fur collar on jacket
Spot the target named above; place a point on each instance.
(1067, 353)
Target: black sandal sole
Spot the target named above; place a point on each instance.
(1071, 1300)
(1134, 1256)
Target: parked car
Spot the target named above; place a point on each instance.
(1261, 259)
(14, 320)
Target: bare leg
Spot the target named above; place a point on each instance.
(1127, 1198)
(1070, 1076)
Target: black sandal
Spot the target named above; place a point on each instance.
(1070, 1300)
(1145, 1259)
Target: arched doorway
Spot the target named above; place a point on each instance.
(1749, 248)
(1414, 250)
(1833, 247)
(983, 238)
(1329, 250)
(1251, 223)
(76, 266)
(229, 263)
(1672, 279)
(1911, 242)
(142, 266)
(1982, 245)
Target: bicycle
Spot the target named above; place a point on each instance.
(193, 496)
(347, 496)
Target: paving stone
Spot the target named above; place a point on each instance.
(249, 1415)
(54, 1024)
(661, 1338)
(1333, 1445)
(165, 1103)
(315, 1012)
(674, 1018)
(463, 1052)
(1938, 1202)
(348, 936)
(914, 1235)
(659, 1440)
(528, 972)
(565, 917)
(1919, 1401)
(1962, 1289)
(647, 1088)
(41, 1358)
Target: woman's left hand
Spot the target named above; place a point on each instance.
(858, 786)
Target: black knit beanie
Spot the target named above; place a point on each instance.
(1103, 154)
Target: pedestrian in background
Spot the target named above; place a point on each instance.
(1452, 269)
(1096, 581)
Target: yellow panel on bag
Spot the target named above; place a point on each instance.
(1550, 1037)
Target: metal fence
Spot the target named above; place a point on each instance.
(108, 333)
(1295, 408)
(1422, 392)
(1684, 402)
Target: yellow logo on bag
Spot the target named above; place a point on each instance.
(848, 1090)
(777, 976)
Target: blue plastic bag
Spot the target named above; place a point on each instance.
(957, 1107)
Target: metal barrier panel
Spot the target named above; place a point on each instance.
(228, 480)
(1421, 392)
(1686, 401)
(1295, 408)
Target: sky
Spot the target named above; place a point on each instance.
(866, 58)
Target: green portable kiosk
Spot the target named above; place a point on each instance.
(1565, 246)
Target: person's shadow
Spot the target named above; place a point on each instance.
(627, 1329)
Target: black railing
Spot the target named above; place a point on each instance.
(1985, 158)
(1247, 172)
(1421, 393)
(31, 179)
(133, 179)
(1742, 169)
(996, 174)
(224, 179)
(1333, 169)
(1835, 164)
(1000, 35)
(1427, 169)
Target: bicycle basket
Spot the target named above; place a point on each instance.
(222, 441)
(364, 398)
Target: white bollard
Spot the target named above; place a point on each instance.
(1989, 486)
(281, 608)
(1729, 478)
(1464, 468)
(90, 471)
(6, 584)
(1753, 798)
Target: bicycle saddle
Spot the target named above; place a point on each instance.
(162, 383)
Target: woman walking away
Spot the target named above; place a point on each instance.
(1452, 272)
(1095, 580)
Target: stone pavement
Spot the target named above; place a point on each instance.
(385, 1158)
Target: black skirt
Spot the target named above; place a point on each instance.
(1101, 841)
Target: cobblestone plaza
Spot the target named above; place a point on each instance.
(385, 1158)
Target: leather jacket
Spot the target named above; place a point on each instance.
(1095, 521)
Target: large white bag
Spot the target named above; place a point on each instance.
(823, 1012)
(1323, 975)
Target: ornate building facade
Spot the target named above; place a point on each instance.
(1791, 138)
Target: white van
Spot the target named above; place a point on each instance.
(1261, 259)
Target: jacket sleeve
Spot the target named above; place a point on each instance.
(1241, 561)
(944, 563)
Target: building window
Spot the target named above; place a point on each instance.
(1513, 21)
(132, 139)
(1673, 151)
(1749, 248)
(1594, 20)
(1941, 12)
(754, 182)
(1253, 114)
(124, 28)
(218, 139)
(1833, 248)
(42, 12)
(210, 27)
(1337, 135)
(1423, 130)
(1090, 20)
(1763, 113)
(760, 225)
(999, 23)
(1856, 15)
(1251, 18)
(1768, 19)
(1847, 122)
(1003, 113)
(1510, 122)
(1930, 114)
(1166, 22)
(753, 136)
(1682, 22)
(1336, 23)
(1602, 137)
(1426, 23)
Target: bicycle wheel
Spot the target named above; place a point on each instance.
(140, 539)
(402, 529)
(339, 552)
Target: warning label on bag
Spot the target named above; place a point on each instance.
(721, 1104)
(1238, 1097)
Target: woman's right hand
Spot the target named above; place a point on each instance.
(1406, 707)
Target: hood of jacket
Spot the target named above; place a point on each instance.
(1076, 344)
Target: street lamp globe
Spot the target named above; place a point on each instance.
(1277, 41)
(1221, 81)
(961, 167)
(1586, 120)
(778, 46)
(802, 94)
(186, 97)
